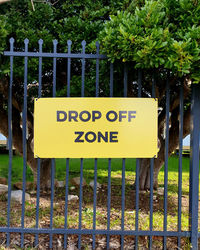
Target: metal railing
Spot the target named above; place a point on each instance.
(194, 165)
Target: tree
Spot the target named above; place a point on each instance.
(47, 20)
(161, 36)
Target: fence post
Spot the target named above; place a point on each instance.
(194, 166)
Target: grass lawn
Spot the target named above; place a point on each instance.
(102, 165)
(88, 168)
(101, 216)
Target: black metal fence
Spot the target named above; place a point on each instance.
(37, 230)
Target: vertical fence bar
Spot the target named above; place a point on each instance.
(24, 118)
(139, 83)
(181, 107)
(151, 176)
(37, 201)
(137, 171)
(108, 203)
(95, 164)
(111, 79)
(94, 205)
(109, 168)
(52, 199)
(55, 42)
(66, 201)
(123, 165)
(81, 167)
(53, 160)
(194, 166)
(123, 200)
(10, 139)
(83, 70)
(80, 203)
(97, 70)
(125, 80)
(166, 161)
(38, 160)
(69, 43)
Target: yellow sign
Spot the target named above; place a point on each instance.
(95, 127)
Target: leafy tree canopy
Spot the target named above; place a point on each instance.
(48, 20)
(156, 34)
(62, 20)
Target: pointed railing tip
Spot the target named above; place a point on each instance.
(11, 40)
(55, 42)
(83, 43)
(69, 42)
(26, 41)
(97, 47)
(40, 41)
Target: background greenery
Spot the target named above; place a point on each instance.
(88, 168)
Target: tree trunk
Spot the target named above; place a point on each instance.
(144, 173)
(45, 171)
(45, 168)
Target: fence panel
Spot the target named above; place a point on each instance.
(122, 233)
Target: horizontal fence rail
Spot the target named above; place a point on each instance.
(37, 230)
(54, 55)
(97, 231)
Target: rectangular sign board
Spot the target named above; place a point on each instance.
(95, 127)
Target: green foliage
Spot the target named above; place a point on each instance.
(64, 20)
(151, 33)
(156, 34)
(3, 32)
